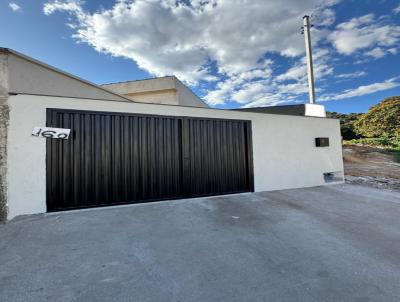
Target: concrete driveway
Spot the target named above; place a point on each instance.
(337, 243)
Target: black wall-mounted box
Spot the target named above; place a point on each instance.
(322, 141)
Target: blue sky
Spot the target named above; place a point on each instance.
(231, 53)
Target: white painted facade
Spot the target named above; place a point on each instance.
(165, 90)
(284, 152)
(22, 74)
(315, 110)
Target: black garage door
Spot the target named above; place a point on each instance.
(114, 158)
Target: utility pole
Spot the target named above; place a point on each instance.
(310, 70)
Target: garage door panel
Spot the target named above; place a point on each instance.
(217, 156)
(114, 158)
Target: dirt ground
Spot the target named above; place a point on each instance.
(372, 167)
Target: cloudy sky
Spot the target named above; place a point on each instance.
(233, 53)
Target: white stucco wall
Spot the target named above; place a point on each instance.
(168, 97)
(284, 151)
(186, 97)
(165, 90)
(35, 78)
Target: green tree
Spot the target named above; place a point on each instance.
(382, 120)
(346, 124)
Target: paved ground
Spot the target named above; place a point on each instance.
(338, 243)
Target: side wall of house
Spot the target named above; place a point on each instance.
(3, 134)
(284, 151)
(3, 158)
(186, 97)
(168, 97)
(31, 78)
(157, 90)
(166, 90)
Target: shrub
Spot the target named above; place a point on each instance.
(382, 120)
(346, 124)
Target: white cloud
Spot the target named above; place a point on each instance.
(364, 33)
(173, 37)
(267, 90)
(363, 90)
(298, 72)
(265, 99)
(397, 10)
(376, 53)
(325, 17)
(14, 6)
(351, 75)
(251, 91)
(239, 87)
(227, 41)
(69, 6)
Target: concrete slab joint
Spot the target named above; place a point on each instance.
(4, 118)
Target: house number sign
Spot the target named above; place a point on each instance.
(51, 132)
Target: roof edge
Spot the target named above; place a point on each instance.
(54, 69)
(139, 80)
(177, 80)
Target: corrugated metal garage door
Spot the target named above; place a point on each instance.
(114, 158)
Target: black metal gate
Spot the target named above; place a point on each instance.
(117, 158)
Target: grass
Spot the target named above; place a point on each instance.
(389, 144)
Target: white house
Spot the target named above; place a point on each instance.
(145, 141)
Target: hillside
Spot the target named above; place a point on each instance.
(379, 127)
(371, 145)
